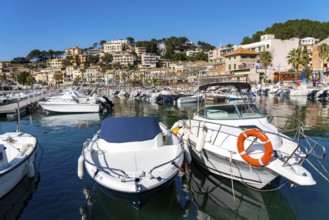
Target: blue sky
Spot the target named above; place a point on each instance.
(60, 24)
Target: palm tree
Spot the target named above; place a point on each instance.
(323, 53)
(58, 77)
(298, 57)
(266, 59)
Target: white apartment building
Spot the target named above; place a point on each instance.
(73, 51)
(140, 50)
(308, 41)
(72, 72)
(191, 53)
(149, 60)
(162, 49)
(278, 48)
(216, 56)
(93, 74)
(123, 58)
(47, 75)
(57, 63)
(2, 64)
(115, 46)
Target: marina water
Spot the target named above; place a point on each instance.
(57, 192)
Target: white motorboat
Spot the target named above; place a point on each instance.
(68, 103)
(190, 99)
(299, 89)
(17, 154)
(237, 141)
(132, 158)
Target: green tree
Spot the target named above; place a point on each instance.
(179, 57)
(298, 57)
(131, 40)
(323, 53)
(22, 77)
(34, 55)
(3, 78)
(20, 60)
(246, 40)
(201, 56)
(205, 46)
(30, 80)
(102, 42)
(58, 78)
(76, 81)
(266, 59)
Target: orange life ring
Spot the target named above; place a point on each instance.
(267, 147)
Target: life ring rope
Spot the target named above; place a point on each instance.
(268, 149)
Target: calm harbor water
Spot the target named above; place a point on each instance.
(56, 193)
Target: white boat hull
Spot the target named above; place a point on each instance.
(190, 99)
(15, 165)
(70, 107)
(132, 170)
(257, 177)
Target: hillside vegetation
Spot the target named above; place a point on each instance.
(293, 28)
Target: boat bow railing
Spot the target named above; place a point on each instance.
(121, 173)
(163, 164)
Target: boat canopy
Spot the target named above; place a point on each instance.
(237, 85)
(129, 129)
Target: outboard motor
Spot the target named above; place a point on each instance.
(312, 94)
(286, 92)
(325, 95)
(109, 102)
(278, 92)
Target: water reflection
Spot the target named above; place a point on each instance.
(80, 120)
(216, 199)
(12, 205)
(162, 206)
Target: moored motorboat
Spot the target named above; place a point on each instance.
(68, 103)
(237, 141)
(17, 154)
(132, 158)
(190, 99)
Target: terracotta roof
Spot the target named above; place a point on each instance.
(241, 51)
(219, 69)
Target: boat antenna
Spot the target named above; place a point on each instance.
(18, 128)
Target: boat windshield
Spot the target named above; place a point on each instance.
(229, 112)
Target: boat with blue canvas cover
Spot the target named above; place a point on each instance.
(132, 158)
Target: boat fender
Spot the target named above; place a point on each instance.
(175, 125)
(30, 170)
(80, 166)
(175, 128)
(201, 140)
(268, 149)
(187, 153)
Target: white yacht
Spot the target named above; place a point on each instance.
(237, 141)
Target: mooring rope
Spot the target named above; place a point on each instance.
(232, 181)
(89, 193)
